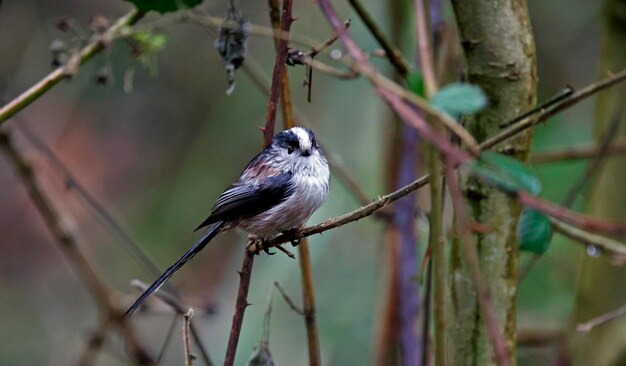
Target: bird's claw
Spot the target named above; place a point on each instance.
(296, 242)
(266, 249)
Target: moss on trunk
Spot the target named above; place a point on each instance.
(499, 48)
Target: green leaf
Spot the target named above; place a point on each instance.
(415, 83)
(163, 6)
(506, 173)
(534, 232)
(459, 98)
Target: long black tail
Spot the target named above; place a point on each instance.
(200, 244)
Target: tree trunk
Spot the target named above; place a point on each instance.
(499, 48)
(601, 287)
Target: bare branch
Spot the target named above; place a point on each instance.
(189, 357)
(586, 327)
(288, 300)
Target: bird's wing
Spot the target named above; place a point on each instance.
(242, 200)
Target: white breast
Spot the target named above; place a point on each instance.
(310, 192)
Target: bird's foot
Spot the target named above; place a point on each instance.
(294, 243)
(257, 244)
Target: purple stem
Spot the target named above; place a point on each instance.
(404, 219)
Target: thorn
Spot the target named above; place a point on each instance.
(262, 129)
(293, 19)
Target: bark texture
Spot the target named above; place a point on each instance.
(601, 287)
(497, 39)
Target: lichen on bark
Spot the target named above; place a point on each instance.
(498, 44)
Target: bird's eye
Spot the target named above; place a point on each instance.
(290, 149)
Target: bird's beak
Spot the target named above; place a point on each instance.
(306, 152)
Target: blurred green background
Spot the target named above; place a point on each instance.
(158, 157)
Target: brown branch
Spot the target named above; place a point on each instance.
(581, 221)
(309, 304)
(573, 154)
(104, 297)
(268, 133)
(62, 72)
(189, 357)
(279, 69)
(303, 247)
(393, 54)
(240, 307)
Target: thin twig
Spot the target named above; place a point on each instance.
(596, 164)
(179, 308)
(393, 54)
(587, 326)
(168, 338)
(288, 299)
(189, 357)
(608, 246)
(62, 72)
(618, 147)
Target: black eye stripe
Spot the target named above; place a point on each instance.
(287, 139)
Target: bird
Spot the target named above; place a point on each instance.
(277, 192)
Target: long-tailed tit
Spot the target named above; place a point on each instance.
(278, 191)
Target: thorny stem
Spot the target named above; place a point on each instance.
(303, 247)
(66, 71)
(240, 307)
(268, 133)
